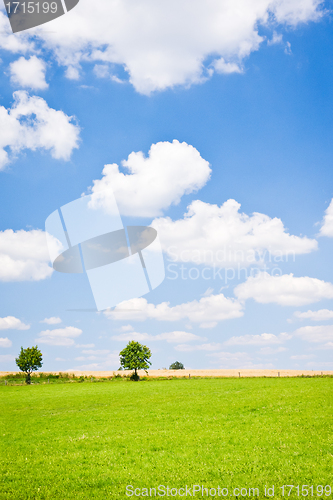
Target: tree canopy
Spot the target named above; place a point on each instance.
(177, 365)
(135, 356)
(29, 360)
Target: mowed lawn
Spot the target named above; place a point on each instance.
(91, 440)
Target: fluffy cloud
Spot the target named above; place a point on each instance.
(5, 342)
(166, 43)
(51, 321)
(213, 308)
(315, 334)
(286, 290)
(154, 182)
(24, 255)
(236, 360)
(31, 124)
(59, 336)
(262, 339)
(327, 224)
(170, 337)
(28, 73)
(202, 347)
(271, 351)
(223, 236)
(12, 323)
(321, 315)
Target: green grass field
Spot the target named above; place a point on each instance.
(91, 440)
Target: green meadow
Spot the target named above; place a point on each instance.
(90, 440)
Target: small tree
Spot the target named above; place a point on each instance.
(177, 366)
(135, 357)
(29, 360)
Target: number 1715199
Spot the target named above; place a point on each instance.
(31, 7)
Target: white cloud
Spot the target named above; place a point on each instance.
(12, 323)
(276, 39)
(321, 315)
(126, 328)
(84, 346)
(18, 43)
(271, 351)
(208, 309)
(51, 321)
(202, 347)
(285, 290)
(166, 43)
(107, 361)
(96, 352)
(327, 223)
(262, 339)
(302, 356)
(31, 124)
(222, 236)
(211, 324)
(170, 337)
(28, 73)
(59, 336)
(315, 334)
(236, 360)
(154, 182)
(5, 342)
(24, 255)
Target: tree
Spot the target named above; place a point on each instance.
(177, 366)
(135, 357)
(29, 360)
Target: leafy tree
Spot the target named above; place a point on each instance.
(29, 360)
(177, 366)
(135, 357)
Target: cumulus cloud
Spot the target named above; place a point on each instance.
(31, 124)
(302, 356)
(28, 73)
(236, 360)
(59, 336)
(170, 337)
(285, 290)
(262, 339)
(154, 182)
(201, 347)
(213, 308)
(5, 342)
(223, 236)
(12, 323)
(51, 321)
(271, 351)
(321, 315)
(315, 334)
(166, 43)
(327, 223)
(24, 255)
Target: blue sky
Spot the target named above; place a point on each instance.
(255, 101)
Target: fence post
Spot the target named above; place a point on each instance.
(5, 382)
(239, 374)
(91, 379)
(278, 374)
(48, 380)
(189, 375)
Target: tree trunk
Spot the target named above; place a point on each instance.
(28, 379)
